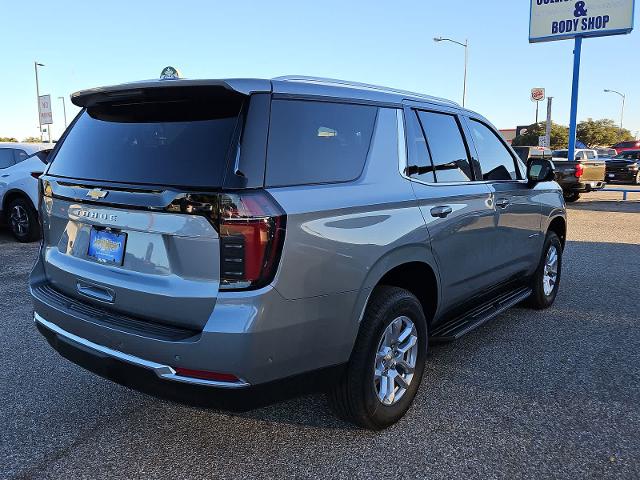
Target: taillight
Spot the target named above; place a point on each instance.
(251, 228)
(579, 170)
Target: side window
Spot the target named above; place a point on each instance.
(317, 142)
(419, 157)
(446, 146)
(590, 155)
(19, 155)
(496, 161)
(6, 157)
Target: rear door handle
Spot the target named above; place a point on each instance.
(441, 211)
(502, 203)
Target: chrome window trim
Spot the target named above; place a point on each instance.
(162, 371)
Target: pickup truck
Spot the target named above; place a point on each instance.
(585, 174)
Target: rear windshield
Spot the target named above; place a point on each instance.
(561, 153)
(173, 141)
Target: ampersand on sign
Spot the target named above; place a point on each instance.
(580, 11)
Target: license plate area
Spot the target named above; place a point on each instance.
(107, 245)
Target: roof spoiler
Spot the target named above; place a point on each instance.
(153, 88)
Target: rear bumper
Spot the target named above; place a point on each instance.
(106, 361)
(258, 336)
(621, 176)
(583, 187)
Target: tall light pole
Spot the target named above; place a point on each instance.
(64, 109)
(36, 65)
(466, 62)
(622, 111)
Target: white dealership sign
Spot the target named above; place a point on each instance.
(44, 110)
(562, 19)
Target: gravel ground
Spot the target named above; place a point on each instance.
(533, 394)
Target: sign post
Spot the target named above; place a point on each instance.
(551, 20)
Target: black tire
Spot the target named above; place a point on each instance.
(354, 397)
(22, 220)
(571, 197)
(539, 299)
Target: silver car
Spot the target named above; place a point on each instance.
(225, 235)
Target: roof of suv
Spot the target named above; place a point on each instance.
(298, 85)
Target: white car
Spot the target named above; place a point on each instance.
(20, 166)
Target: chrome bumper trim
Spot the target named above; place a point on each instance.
(164, 372)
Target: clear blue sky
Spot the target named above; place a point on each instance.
(87, 44)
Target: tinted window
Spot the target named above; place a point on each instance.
(495, 160)
(560, 154)
(418, 153)
(628, 156)
(182, 142)
(447, 148)
(6, 157)
(20, 155)
(317, 142)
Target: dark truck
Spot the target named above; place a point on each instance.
(585, 174)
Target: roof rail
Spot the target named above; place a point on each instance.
(363, 86)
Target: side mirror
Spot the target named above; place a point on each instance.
(540, 170)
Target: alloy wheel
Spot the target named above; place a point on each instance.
(550, 276)
(395, 360)
(19, 220)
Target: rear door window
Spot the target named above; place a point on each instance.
(446, 146)
(170, 141)
(496, 161)
(6, 157)
(419, 158)
(590, 155)
(317, 142)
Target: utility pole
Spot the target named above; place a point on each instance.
(64, 109)
(36, 65)
(548, 129)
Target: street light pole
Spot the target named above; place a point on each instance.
(466, 62)
(64, 110)
(36, 65)
(622, 111)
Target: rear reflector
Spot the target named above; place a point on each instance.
(205, 375)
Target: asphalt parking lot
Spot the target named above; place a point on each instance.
(532, 394)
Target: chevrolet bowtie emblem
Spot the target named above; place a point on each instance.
(96, 194)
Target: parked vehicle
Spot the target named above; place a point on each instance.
(527, 153)
(20, 166)
(226, 234)
(624, 167)
(583, 175)
(624, 146)
(606, 153)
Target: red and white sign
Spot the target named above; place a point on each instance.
(537, 94)
(44, 110)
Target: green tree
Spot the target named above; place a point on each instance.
(32, 140)
(601, 133)
(8, 139)
(559, 135)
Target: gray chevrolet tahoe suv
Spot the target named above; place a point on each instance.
(228, 234)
